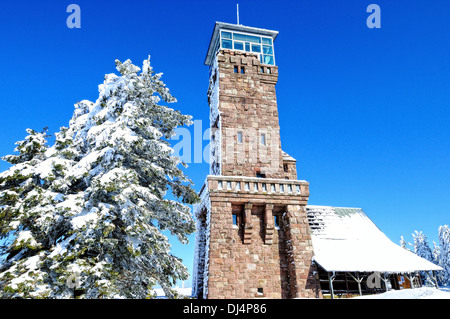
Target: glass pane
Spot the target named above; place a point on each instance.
(226, 35)
(267, 49)
(247, 47)
(227, 44)
(267, 41)
(263, 139)
(238, 45)
(256, 48)
(268, 59)
(245, 37)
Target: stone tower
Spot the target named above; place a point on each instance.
(253, 236)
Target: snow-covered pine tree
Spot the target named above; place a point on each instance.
(404, 243)
(95, 228)
(444, 254)
(437, 258)
(422, 249)
(16, 184)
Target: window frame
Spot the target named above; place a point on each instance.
(247, 45)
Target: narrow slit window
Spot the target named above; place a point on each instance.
(235, 221)
(276, 221)
(263, 139)
(235, 69)
(242, 70)
(239, 137)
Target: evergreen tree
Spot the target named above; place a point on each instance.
(422, 249)
(88, 213)
(403, 243)
(444, 254)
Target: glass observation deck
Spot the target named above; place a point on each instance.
(244, 39)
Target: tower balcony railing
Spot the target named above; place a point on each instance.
(256, 185)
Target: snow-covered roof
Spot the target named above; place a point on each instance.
(345, 239)
(287, 157)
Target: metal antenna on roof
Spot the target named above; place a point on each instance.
(237, 7)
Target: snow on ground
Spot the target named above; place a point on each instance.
(417, 293)
(182, 291)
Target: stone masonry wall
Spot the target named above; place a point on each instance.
(248, 105)
(256, 255)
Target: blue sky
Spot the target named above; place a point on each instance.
(364, 111)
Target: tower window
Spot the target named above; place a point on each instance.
(227, 44)
(238, 45)
(235, 221)
(260, 45)
(235, 69)
(263, 139)
(256, 48)
(285, 167)
(276, 221)
(239, 137)
(260, 291)
(242, 70)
